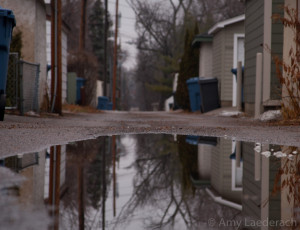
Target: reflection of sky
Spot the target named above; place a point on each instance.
(125, 171)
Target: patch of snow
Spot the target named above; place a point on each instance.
(270, 115)
(230, 113)
(266, 154)
(295, 152)
(291, 157)
(280, 154)
(257, 147)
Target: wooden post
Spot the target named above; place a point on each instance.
(54, 183)
(258, 85)
(113, 146)
(103, 181)
(82, 25)
(105, 49)
(80, 195)
(56, 57)
(239, 76)
(115, 56)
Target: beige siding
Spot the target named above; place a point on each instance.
(221, 176)
(205, 60)
(223, 58)
(218, 55)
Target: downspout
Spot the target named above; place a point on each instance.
(222, 201)
(55, 57)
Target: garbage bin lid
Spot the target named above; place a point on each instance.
(192, 80)
(8, 14)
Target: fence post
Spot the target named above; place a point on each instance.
(21, 88)
(36, 99)
(258, 85)
(239, 76)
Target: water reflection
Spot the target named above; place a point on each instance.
(152, 182)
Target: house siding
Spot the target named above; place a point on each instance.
(277, 48)
(31, 21)
(251, 188)
(218, 56)
(223, 59)
(205, 60)
(254, 38)
(221, 175)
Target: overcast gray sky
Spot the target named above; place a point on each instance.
(127, 29)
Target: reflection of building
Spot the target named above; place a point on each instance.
(222, 175)
(258, 181)
(217, 167)
(31, 166)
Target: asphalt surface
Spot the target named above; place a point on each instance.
(29, 134)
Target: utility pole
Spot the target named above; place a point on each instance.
(105, 48)
(113, 149)
(54, 183)
(82, 25)
(115, 56)
(56, 54)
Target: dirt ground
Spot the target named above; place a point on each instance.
(28, 134)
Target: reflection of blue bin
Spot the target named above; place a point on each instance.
(80, 82)
(195, 140)
(234, 71)
(7, 22)
(194, 93)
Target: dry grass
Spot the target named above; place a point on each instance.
(79, 109)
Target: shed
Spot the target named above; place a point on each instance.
(227, 49)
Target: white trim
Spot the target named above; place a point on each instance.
(224, 23)
(235, 50)
(233, 176)
(233, 170)
(220, 200)
(266, 51)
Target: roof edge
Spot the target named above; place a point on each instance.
(225, 23)
(201, 39)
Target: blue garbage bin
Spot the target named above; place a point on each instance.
(7, 23)
(80, 82)
(109, 106)
(194, 93)
(102, 103)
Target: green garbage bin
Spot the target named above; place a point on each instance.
(7, 22)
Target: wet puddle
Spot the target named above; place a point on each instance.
(152, 182)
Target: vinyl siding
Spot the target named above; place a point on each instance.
(205, 60)
(218, 55)
(254, 27)
(277, 48)
(221, 171)
(251, 188)
(223, 58)
(275, 200)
